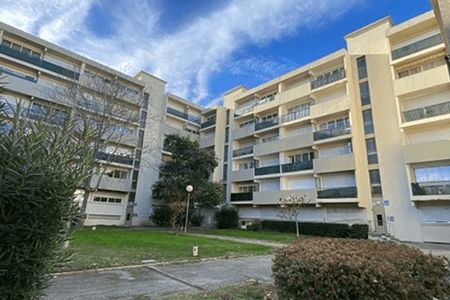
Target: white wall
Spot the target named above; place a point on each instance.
(299, 182)
(338, 180)
(269, 185)
(334, 150)
(426, 100)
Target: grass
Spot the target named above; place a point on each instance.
(272, 236)
(119, 246)
(250, 291)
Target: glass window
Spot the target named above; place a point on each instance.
(368, 123)
(430, 174)
(374, 176)
(6, 43)
(364, 91)
(362, 67)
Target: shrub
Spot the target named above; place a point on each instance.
(360, 231)
(358, 269)
(161, 216)
(226, 217)
(196, 219)
(255, 226)
(40, 169)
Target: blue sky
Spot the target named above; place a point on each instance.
(203, 48)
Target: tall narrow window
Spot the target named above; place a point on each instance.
(368, 123)
(364, 91)
(362, 67)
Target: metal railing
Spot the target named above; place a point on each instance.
(328, 78)
(343, 192)
(114, 158)
(14, 53)
(183, 115)
(266, 124)
(297, 166)
(426, 112)
(208, 123)
(267, 170)
(424, 189)
(243, 110)
(241, 197)
(330, 133)
(417, 46)
(243, 151)
(295, 115)
(17, 74)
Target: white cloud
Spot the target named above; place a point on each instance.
(259, 67)
(186, 58)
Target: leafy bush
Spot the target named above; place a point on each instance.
(358, 269)
(227, 217)
(255, 226)
(196, 219)
(360, 231)
(161, 216)
(40, 169)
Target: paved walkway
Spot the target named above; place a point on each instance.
(156, 281)
(240, 240)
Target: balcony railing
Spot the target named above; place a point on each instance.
(417, 46)
(425, 189)
(295, 115)
(266, 124)
(297, 166)
(243, 110)
(328, 78)
(183, 115)
(243, 151)
(16, 74)
(267, 170)
(330, 133)
(17, 54)
(241, 197)
(426, 112)
(115, 158)
(343, 192)
(208, 123)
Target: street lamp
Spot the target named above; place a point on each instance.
(189, 189)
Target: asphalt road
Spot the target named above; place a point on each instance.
(157, 281)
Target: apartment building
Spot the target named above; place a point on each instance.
(35, 73)
(364, 133)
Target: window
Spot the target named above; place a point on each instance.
(368, 123)
(431, 174)
(364, 91)
(109, 200)
(338, 123)
(246, 123)
(40, 110)
(380, 220)
(300, 107)
(362, 67)
(417, 69)
(301, 157)
(246, 165)
(246, 189)
(120, 174)
(371, 147)
(374, 176)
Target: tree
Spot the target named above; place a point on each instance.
(188, 165)
(291, 207)
(41, 165)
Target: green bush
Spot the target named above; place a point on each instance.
(40, 168)
(358, 269)
(161, 216)
(360, 231)
(226, 217)
(196, 219)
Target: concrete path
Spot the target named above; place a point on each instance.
(155, 281)
(240, 240)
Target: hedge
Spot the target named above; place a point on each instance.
(227, 217)
(328, 268)
(360, 231)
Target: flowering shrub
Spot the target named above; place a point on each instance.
(325, 268)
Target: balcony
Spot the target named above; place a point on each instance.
(112, 184)
(297, 166)
(243, 151)
(266, 124)
(338, 163)
(328, 78)
(295, 115)
(243, 110)
(430, 191)
(267, 170)
(426, 112)
(417, 46)
(17, 54)
(330, 133)
(239, 197)
(273, 197)
(295, 91)
(427, 151)
(284, 144)
(242, 175)
(183, 115)
(208, 123)
(432, 79)
(207, 141)
(243, 131)
(338, 193)
(113, 158)
(4, 70)
(330, 107)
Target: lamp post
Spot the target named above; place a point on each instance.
(189, 189)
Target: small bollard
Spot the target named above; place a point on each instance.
(94, 228)
(195, 251)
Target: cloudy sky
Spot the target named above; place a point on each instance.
(202, 48)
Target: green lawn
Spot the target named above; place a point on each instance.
(119, 246)
(258, 235)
